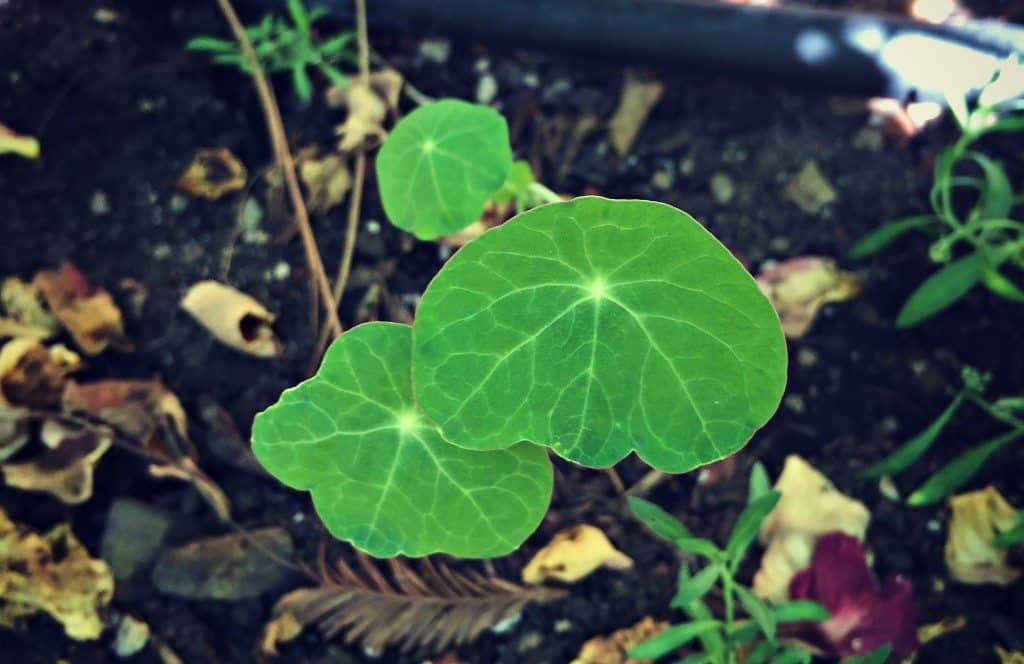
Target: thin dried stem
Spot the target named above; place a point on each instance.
(279, 142)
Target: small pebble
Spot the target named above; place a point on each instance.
(162, 251)
(373, 226)
(486, 89)
(482, 65)
(282, 271)
(435, 50)
(795, 403)
(806, 357)
(562, 626)
(722, 188)
(529, 641)
(779, 245)
(531, 79)
(178, 203)
(934, 525)
(888, 489)
(662, 180)
(131, 637)
(507, 625)
(687, 165)
(99, 203)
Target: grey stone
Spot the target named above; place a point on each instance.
(133, 535)
(722, 188)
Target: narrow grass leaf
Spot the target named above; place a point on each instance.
(759, 611)
(747, 525)
(672, 639)
(941, 290)
(910, 451)
(661, 523)
(801, 610)
(696, 586)
(759, 483)
(956, 473)
(884, 235)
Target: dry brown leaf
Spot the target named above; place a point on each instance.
(146, 412)
(639, 95)
(368, 105)
(26, 316)
(12, 142)
(809, 189)
(29, 375)
(54, 574)
(281, 629)
(1009, 657)
(234, 318)
(86, 311)
(612, 649)
(573, 554)
(799, 287)
(971, 555)
(213, 173)
(327, 179)
(932, 631)
(494, 214)
(809, 507)
(429, 609)
(65, 468)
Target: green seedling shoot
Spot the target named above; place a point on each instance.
(283, 46)
(591, 329)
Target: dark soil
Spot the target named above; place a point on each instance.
(120, 109)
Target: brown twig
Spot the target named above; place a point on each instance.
(275, 126)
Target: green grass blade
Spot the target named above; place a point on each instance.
(801, 610)
(661, 523)
(875, 657)
(748, 524)
(1014, 535)
(672, 639)
(941, 290)
(759, 611)
(211, 44)
(696, 586)
(884, 235)
(911, 451)
(956, 473)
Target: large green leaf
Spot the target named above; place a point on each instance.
(381, 475)
(440, 166)
(599, 327)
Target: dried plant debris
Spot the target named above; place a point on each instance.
(1009, 656)
(573, 554)
(51, 573)
(88, 312)
(12, 142)
(150, 420)
(368, 105)
(972, 555)
(810, 506)
(639, 95)
(327, 179)
(213, 173)
(427, 609)
(65, 468)
(799, 287)
(234, 318)
(25, 315)
(612, 649)
(809, 189)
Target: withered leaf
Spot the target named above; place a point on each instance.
(368, 104)
(88, 312)
(213, 173)
(612, 649)
(12, 142)
(799, 287)
(233, 317)
(25, 314)
(639, 96)
(573, 554)
(65, 468)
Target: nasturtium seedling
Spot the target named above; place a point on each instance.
(381, 475)
(440, 166)
(598, 328)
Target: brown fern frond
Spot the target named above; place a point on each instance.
(427, 608)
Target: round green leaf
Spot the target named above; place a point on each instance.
(440, 166)
(381, 475)
(599, 327)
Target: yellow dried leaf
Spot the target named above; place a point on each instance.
(53, 574)
(65, 469)
(29, 375)
(234, 318)
(932, 631)
(1009, 657)
(809, 507)
(26, 316)
(573, 554)
(12, 142)
(368, 105)
(327, 180)
(809, 189)
(799, 287)
(612, 649)
(638, 97)
(86, 311)
(281, 629)
(213, 173)
(971, 555)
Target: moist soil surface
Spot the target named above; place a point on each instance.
(120, 109)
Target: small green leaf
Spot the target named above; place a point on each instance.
(941, 290)
(212, 44)
(700, 546)
(878, 656)
(761, 652)
(1014, 535)
(381, 475)
(334, 75)
(336, 44)
(999, 284)
(520, 176)
(792, 656)
(743, 632)
(696, 586)
(801, 610)
(440, 166)
(599, 327)
(748, 524)
(697, 658)
(884, 235)
(661, 523)
(759, 612)
(299, 15)
(303, 86)
(759, 484)
(672, 639)
(997, 196)
(912, 450)
(955, 474)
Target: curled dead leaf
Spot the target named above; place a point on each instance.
(234, 318)
(573, 554)
(932, 631)
(12, 142)
(368, 105)
(639, 95)
(1009, 656)
(65, 468)
(971, 554)
(86, 311)
(612, 649)
(54, 574)
(809, 507)
(213, 173)
(327, 179)
(281, 629)
(799, 287)
(25, 314)
(29, 376)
